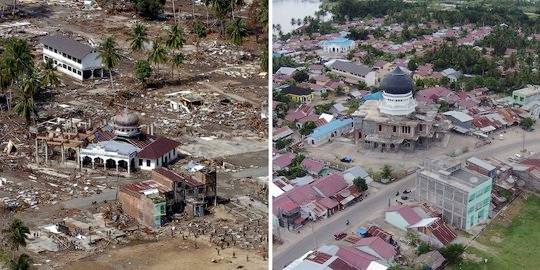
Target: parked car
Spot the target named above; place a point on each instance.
(346, 159)
(340, 235)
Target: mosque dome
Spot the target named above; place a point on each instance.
(398, 82)
(126, 118)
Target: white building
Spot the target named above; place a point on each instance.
(71, 57)
(397, 94)
(124, 146)
(353, 72)
(338, 45)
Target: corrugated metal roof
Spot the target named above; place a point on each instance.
(67, 45)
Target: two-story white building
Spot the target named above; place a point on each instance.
(71, 57)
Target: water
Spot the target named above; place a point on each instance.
(285, 10)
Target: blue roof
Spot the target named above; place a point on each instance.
(338, 41)
(330, 127)
(373, 96)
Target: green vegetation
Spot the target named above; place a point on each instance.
(137, 37)
(423, 248)
(452, 253)
(323, 108)
(528, 122)
(283, 61)
(308, 127)
(386, 172)
(150, 9)
(294, 170)
(282, 143)
(237, 31)
(300, 76)
(360, 183)
(143, 70)
(110, 56)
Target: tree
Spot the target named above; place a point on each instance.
(22, 263)
(109, 55)
(300, 75)
(200, 32)
(221, 9)
(176, 61)
(175, 38)
(237, 31)
(308, 127)
(423, 248)
(361, 85)
(17, 234)
(360, 183)
(386, 172)
(49, 76)
(150, 9)
(24, 101)
(158, 53)
(528, 122)
(412, 65)
(443, 106)
(138, 37)
(20, 58)
(452, 253)
(143, 70)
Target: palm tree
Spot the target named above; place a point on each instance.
(176, 61)
(221, 9)
(158, 53)
(143, 70)
(138, 37)
(49, 77)
(17, 51)
(262, 13)
(108, 52)
(174, 11)
(200, 33)
(22, 263)
(175, 38)
(24, 102)
(17, 234)
(237, 31)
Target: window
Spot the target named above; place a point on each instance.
(394, 128)
(380, 127)
(140, 162)
(157, 162)
(147, 163)
(420, 127)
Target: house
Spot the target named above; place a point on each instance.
(526, 95)
(281, 133)
(76, 59)
(337, 45)
(313, 167)
(333, 257)
(298, 94)
(338, 109)
(145, 202)
(452, 74)
(282, 161)
(315, 69)
(334, 128)
(403, 216)
(287, 71)
(356, 172)
(353, 72)
(433, 259)
(377, 247)
(462, 121)
(330, 185)
(300, 112)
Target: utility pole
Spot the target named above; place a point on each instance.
(523, 143)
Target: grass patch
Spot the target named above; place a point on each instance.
(513, 245)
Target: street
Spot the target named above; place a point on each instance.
(316, 234)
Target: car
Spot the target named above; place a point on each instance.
(404, 197)
(346, 159)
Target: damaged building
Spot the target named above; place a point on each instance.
(153, 202)
(397, 122)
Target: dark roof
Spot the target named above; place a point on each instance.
(397, 82)
(157, 148)
(295, 90)
(67, 45)
(351, 67)
(189, 181)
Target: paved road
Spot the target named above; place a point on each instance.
(321, 232)
(84, 202)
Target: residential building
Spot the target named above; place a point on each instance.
(78, 60)
(526, 95)
(326, 132)
(145, 202)
(353, 72)
(481, 166)
(298, 94)
(462, 196)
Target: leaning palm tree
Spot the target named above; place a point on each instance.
(22, 263)
(176, 61)
(17, 234)
(49, 76)
(175, 38)
(237, 31)
(138, 37)
(158, 53)
(108, 52)
(200, 32)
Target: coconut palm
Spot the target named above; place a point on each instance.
(108, 52)
(221, 9)
(18, 52)
(17, 234)
(237, 31)
(24, 101)
(49, 76)
(176, 61)
(138, 37)
(175, 38)
(262, 13)
(158, 53)
(200, 32)
(22, 263)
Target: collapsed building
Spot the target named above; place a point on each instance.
(153, 202)
(120, 145)
(397, 122)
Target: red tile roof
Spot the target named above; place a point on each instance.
(378, 232)
(330, 185)
(355, 257)
(442, 231)
(312, 165)
(339, 264)
(158, 148)
(328, 203)
(188, 180)
(378, 245)
(142, 186)
(302, 195)
(284, 204)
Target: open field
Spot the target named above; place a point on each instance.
(512, 240)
